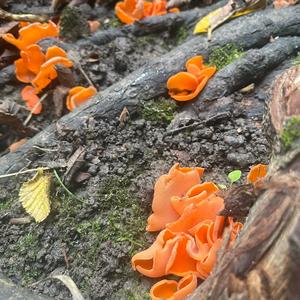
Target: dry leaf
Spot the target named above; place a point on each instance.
(231, 10)
(35, 196)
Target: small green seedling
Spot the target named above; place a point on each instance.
(234, 176)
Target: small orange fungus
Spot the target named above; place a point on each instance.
(78, 95)
(31, 99)
(185, 86)
(31, 34)
(188, 212)
(173, 290)
(257, 172)
(176, 183)
(130, 11)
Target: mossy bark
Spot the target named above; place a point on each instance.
(149, 81)
(265, 261)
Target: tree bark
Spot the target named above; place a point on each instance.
(265, 261)
(150, 80)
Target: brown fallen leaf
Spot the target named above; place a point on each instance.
(59, 96)
(15, 146)
(124, 116)
(15, 124)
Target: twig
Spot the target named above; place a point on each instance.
(17, 221)
(22, 17)
(62, 184)
(23, 172)
(33, 109)
(90, 82)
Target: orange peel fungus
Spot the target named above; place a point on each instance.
(186, 210)
(78, 95)
(185, 86)
(130, 11)
(39, 69)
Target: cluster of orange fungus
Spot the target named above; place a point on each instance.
(79, 95)
(185, 86)
(130, 11)
(32, 33)
(186, 211)
(38, 68)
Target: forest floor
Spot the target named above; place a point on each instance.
(92, 236)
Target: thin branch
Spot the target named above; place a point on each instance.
(34, 108)
(21, 17)
(23, 172)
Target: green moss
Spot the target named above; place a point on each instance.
(181, 34)
(73, 24)
(115, 22)
(6, 204)
(119, 220)
(291, 132)
(223, 56)
(28, 241)
(161, 110)
(297, 60)
(30, 276)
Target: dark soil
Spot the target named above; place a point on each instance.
(92, 236)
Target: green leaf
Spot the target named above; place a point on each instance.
(234, 175)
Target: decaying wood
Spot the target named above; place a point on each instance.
(149, 81)
(152, 25)
(251, 67)
(265, 261)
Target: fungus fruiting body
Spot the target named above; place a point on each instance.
(185, 86)
(38, 68)
(31, 34)
(257, 172)
(186, 210)
(130, 11)
(78, 95)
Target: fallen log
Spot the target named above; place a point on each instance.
(250, 68)
(149, 81)
(152, 25)
(265, 261)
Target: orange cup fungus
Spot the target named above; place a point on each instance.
(186, 210)
(38, 68)
(256, 173)
(185, 86)
(31, 34)
(130, 11)
(78, 95)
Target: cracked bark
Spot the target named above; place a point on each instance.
(148, 82)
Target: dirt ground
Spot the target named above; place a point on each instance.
(92, 236)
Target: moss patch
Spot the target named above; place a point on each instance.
(181, 34)
(115, 22)
(297, 60)
(291, 132)
(223, 56)
(6, 204)
(161, 110)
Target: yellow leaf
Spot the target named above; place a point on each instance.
(220, 15)
(35, 196)
(203, 25)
